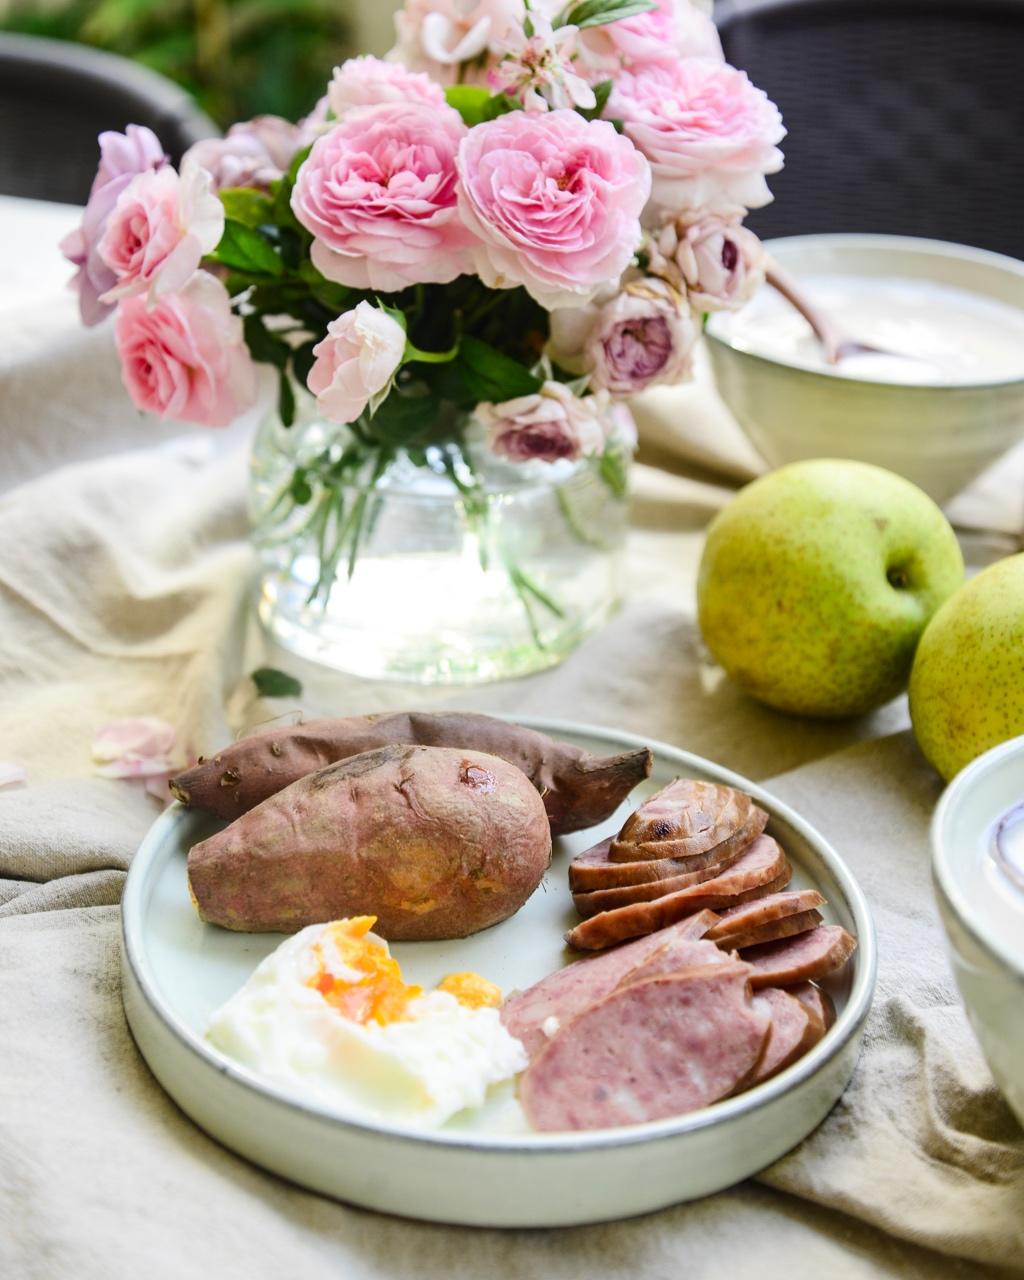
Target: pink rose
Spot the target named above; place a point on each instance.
(367, 82)
(555, 200)
(721, 263)
(378, 194)
(548, 426)
(162, 225)
(254, 153)
(673, 29)
(356, 362)
(709, 134)
(442, 36)
(185, 358)
(644, 336)
(122, 157)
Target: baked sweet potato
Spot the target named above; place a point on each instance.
(579, 789)
(435, 842)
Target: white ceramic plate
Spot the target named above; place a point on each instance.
(176, 970)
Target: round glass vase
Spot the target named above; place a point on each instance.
(443, 565)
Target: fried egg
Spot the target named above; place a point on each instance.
(329, 1015)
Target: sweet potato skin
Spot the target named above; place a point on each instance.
(435, 842)
(579, 789)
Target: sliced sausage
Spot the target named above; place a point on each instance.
(589, 904)
(804, 958)
(534, 1015)
(750, 914)
(680, 954)
(652, 1049)
(818, 1003)
(792, 1032)
(761, 870)
(771, 930)
(683, 819)
(594, 870)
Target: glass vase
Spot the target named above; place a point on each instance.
(439, 565)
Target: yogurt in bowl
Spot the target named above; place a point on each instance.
(946, 405)
(978, 872)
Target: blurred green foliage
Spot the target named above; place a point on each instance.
(239, 57)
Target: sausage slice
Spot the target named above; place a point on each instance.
(652, 1049)
(761, 870)
(803, 958)
(589, 904)
(791, 1034)
(818, 1003)
(771, 930)
(683, 819)
(751, 914)
(536, 1014)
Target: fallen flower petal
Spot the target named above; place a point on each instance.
(12, 775)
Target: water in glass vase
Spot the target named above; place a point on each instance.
(426, 568)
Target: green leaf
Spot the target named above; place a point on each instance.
(302, 361)
(264, 346)
(335, 297)
(247, 205)
(300, 490)
(612, 469)
(286, 399)
(245, 249)
(599, 13)
(400, 418)
(470, 101)
(271, 683)
(602, 92)
(489, 374)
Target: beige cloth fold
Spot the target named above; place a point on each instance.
(124, 579)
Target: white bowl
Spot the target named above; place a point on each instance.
(176, 970)
(983, 910)
(938, 436)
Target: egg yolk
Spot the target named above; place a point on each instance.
(471, 990)
(380, 995)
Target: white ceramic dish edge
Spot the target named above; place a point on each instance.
(205, 1084)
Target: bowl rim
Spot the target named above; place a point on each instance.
(847, 1027)
(942, 857)
(907, 244)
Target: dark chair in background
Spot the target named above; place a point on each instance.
(55, 97)
(904, 116)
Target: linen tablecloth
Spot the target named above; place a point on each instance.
(124, 589)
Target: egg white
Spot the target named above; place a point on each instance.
(423, 1070)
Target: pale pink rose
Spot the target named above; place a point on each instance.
(710, 135)
(356, 362)
(11, 775)
(378, 193)
(162, 225)
(555, 201)
(253, 153)
(538, 71)
(122, 157)
(185, 358)
(722, 264)
(551, 425)
(644, 336)
(673, 29)
(453, 41)
(367, 82)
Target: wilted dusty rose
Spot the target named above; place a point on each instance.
(378, 194)
(355, 362)
(162, 225)
(673, 29)
(555, 201)
(551, 425)
(710, 135)
(643, 336)
(453, 40)
(368, 81)
(253, 153)
(721, 263)
(122, 157)
(185, 358)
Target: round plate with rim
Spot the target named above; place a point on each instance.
(177, 970)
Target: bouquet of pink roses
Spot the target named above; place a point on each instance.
(517, 218)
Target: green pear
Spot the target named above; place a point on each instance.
(967, 685)
(817, 581)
